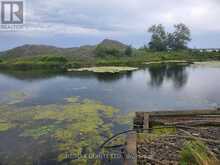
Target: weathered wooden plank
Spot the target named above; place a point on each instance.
(146, 120)
(131, 149)
(202, 117)
(185, 113)
(188, 119)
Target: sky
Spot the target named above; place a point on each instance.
(71, 23)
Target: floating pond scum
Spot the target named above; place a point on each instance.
(76, 127)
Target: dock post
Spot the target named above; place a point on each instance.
(131, 149)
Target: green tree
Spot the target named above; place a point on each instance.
(180, 37)
(128, 50)
(159, 38)
(102, 51)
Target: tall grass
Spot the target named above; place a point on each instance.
(197, 153)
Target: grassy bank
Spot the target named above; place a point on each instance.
(138, 58)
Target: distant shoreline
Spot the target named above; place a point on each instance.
(122, 65)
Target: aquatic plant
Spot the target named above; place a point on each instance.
(15, 97)
(4, 126)
(105, 69)
(72, 99)
(39, 131)
(125, 119)
(77, 125)
(212, 64)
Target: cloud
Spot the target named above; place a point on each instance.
(123, 15)
(117, 19)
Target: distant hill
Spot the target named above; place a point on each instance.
(41, 50)
(110, 48)
(112, 44)
(31, 50)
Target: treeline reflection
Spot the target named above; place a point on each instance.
(175, 72)
(158, 75)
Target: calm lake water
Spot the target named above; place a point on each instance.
(158, 87)
(155, 88)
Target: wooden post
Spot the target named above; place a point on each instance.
(131, 149)
(146, 120)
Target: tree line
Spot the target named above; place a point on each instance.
(162, 40)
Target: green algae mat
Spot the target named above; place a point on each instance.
(106, 69)
(74, 127)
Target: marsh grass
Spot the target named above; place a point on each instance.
(139, 58)
(197, 153)
(155, 134)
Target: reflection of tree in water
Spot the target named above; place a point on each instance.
(176, 73)
(157, 74)
(31, 75)
(107, 77)
(45, 75)
(102, 77)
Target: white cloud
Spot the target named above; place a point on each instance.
(116, 18)
(132, 15)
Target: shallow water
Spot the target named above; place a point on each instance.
(157, 87)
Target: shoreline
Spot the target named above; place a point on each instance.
(129, 66)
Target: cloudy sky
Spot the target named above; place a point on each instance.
(69, 23)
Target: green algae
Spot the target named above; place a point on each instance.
(125, 119)
(72, 99)
(16, 97)
(5, 126)
(168, 61)
(106, 69)
(17, 94)
(40, 131)
(87, 127)
(76, 126)
(212, 64)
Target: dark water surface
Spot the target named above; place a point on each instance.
(161, 87)
(157, 87)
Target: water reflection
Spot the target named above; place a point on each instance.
(159, 73)
(106, 77)
(174, 72)
(45, 75)
(36, 75)
(127, 92)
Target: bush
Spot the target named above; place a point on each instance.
(102, 51)
(48, 59)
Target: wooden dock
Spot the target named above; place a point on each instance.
(146, 120)
(131, 149)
